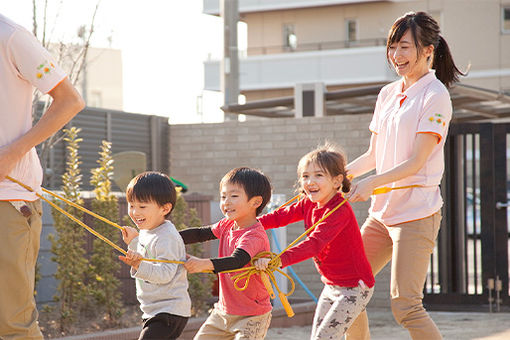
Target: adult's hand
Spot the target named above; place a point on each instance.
(362, 190)
(8, 160)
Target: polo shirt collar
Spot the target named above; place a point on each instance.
(419, 85)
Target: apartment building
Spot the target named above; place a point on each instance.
(342, 43)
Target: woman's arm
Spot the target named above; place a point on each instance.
(365, 162)
(423, 147)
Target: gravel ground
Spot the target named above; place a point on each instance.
(453, 326)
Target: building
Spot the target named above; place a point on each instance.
(341, 44)
(99, 79)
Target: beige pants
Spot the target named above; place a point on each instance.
(19, 246)
(220, 325)
(409, 246)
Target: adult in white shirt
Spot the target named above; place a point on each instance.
(409, 129)
(24, 64)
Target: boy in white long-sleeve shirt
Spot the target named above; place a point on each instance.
(161, 288)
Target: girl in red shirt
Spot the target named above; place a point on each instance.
(335, 244)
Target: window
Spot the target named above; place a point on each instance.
(95, 99)
(351, 30)
(505, 19)
(289, 37)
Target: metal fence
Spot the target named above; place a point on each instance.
(126, 132)
(470, 263)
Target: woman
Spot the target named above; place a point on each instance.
(409, 129)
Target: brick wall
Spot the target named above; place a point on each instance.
(200, 154)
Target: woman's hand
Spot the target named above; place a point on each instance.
(197, 265)
(128, 234)
(362, 190)
(132, 259)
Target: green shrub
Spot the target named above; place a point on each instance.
(68, 244)
(104, 263)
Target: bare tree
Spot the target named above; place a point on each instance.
(72, 57)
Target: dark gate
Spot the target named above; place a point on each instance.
(470, 263)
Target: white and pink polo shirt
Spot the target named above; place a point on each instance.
(24, 64)
(425, 107)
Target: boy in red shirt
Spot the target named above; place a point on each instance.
(241, 314)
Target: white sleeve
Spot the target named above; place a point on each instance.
(33, 62)
(436, 115)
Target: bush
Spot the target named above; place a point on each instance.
(68, 245)
(104, 284)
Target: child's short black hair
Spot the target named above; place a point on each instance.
(253, 181)
(152, 186)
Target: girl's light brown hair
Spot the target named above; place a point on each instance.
(330, 159)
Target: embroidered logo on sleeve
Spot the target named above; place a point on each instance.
(44, 68)
(438, 119)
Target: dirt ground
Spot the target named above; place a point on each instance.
(453, 326)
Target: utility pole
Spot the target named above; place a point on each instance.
(229, 10)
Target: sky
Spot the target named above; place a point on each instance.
(163, 42)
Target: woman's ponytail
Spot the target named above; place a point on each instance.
(446, 70)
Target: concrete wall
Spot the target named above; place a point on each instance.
(200, 154)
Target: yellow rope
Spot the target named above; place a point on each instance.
(266, 275)
(275, 262)
(92, 231)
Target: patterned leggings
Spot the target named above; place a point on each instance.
(337, 309)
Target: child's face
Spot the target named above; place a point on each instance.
(148, 215)
(235, 204)
(318, 185)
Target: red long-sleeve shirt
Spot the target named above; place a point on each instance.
(335, 244)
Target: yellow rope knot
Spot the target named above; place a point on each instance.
(267, 276)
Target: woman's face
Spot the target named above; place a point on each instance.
(405, 58)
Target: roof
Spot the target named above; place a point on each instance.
(469, 103)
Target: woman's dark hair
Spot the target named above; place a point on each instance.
(426, 32)
(254, 183)
(329, 159)
(151, 186)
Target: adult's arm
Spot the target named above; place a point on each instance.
(423, 147)
(67, 102)
(365, 162)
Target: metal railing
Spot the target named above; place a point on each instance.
(312, 46)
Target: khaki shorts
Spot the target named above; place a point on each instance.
(220, 325)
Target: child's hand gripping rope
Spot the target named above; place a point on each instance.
(269, 263)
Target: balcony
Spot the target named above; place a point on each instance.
(345, 66)
(249, 6)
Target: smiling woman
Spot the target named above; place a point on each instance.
(409, 128)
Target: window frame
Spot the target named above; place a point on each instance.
(503, 9)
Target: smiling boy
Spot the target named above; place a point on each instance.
(238, 314)
(161, 288)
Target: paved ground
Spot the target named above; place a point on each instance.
(453, 326)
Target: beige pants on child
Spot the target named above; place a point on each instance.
(19, 245)
(408, 246)
(220, 325)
